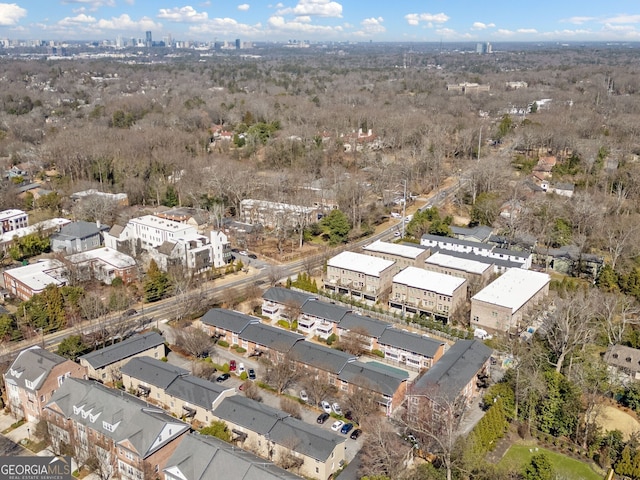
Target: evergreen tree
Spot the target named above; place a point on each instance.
(539, 468)
(156, 283)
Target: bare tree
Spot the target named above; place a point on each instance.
(316, 389)
(204, 369)
(383, 452)
(292, 311)
(282, 373)
(434, 418)
(290, 406)
(569, 326)
(274, 274)
(355, 341)
(361, 404)
(616, 312)
(193, 341)
(252, 391)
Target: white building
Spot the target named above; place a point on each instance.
(46, 227)
(104, 264)
(276, 215)
(170, 243)
(24, 282)
(501, 306)
(12, 220)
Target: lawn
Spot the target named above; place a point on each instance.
(519, 455)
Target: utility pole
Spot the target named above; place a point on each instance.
(404, 206)
(480, 141)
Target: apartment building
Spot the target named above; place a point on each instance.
(32, 379)
(404, 255)
(25, 282)
(360, 276)
(416, 291)
(13, 219)
(500, 307)
(129, 438)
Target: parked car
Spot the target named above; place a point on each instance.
(303, 396)
(252, 374)
(322, 417)
(232, 365)
(337, 425)
(241, 368)
(223, 377)
(336, 408)
(325, 406)
(130, 312)
(346, 428)
(243, 252)
(355, 434)
(253, 256)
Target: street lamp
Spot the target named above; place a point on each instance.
(404, 205)
(29, 433)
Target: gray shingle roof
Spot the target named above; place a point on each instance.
(152, 371)
(410, 342)
(243, 411)
(80, 230)
(200, 457)
(321, 357)
(228, 320)
(125, 349)
(455, 369)
(325, 311)
(305, 438)
(481, 258)
(284, 430)
(457, 241)
(373, 327)
(33, 365)
(147, 428)
(283, 295)
(270, 337)
(372, 377)
(195, 391)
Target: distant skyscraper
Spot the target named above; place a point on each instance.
(238, 46)
(483, 48)
(149, 41)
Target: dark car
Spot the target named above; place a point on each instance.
(253, 256)
(252, 374)
(346, 428)
(322, 417)
(355, 434)
(223, 377)
(130, 312)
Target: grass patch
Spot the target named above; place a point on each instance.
(14, 426)
(565, 467)
(34, 446)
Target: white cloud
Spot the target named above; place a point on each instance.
(622, 19)
(185, 14)
(78, 20)
(278, 23)
(124, 22)
(244, 7)
(225, 26)
(527, 30)
(578, 20)
(371, 26)
(10, 14)
(314, 8)
(93, 4)
(482, 26)
(415, 19)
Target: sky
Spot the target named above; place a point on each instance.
(325, 20)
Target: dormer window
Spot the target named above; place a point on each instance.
(29, 384)
(628, 359)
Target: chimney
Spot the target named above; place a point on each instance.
(98, 224)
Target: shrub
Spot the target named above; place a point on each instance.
(241, 350)
(378, 353)
(225, 368)
(164, 359)
(244, 376)
(223, 343)
(331, 338)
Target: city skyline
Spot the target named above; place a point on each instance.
(323, 20)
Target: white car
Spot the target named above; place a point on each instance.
(243, 252)
(336, 409)
(241, 368)
(303, 396)
(325, 406)
(337, 425)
